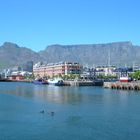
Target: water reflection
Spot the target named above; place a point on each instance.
(63, 95)
(58, 94)
(101, 113)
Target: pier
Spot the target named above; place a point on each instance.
(78, 83)
(122, 85)
(83, 83)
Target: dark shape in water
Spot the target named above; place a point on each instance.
(40, 82)
(52, 113)
(42, 112)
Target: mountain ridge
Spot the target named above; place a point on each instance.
(121, 53)
(92, 54)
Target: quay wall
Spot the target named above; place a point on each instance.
(78, 83)
(83, 83)
(122, 85)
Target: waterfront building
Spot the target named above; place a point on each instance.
(28, 66)
(16, 77)
(16, 68)
(88, 73)
(5, 73)
(106, 70)
(19, 75)
(56, 69)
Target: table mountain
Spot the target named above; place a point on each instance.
(120, 53)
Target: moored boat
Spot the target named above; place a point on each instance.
(56, 82)
(125, 79)
(40, 82)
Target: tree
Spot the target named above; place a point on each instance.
(136, 75)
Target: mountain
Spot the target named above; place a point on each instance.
(11, 55)
(120, 53)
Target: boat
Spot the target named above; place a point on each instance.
(56, 82)
(40, 82)
(125, 79)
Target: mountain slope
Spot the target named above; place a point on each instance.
(11, 55)
(121, 53)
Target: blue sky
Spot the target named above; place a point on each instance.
(38, 23)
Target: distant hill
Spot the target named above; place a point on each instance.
(121, 53)
(11, 55)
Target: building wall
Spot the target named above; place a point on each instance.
(57, 69)
(16, 77)
(28, 66)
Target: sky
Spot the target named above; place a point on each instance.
(35, 24)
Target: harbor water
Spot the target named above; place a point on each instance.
(42, 112)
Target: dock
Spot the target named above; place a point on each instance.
(83, 83)
(122, 85)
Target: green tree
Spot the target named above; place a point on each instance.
(135, 75)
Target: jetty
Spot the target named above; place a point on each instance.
(82, 83)
(123, 85)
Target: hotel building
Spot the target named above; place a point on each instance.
(57, 69)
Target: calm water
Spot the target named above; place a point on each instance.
(81, 113)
